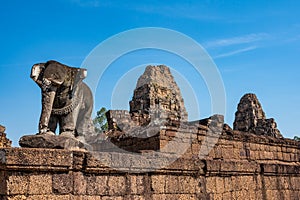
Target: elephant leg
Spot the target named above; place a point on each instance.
(67, 124)
(76, 113)
(84, 123)
(47, 103)
(54, 119)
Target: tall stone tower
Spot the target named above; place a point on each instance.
(156, 101)
(157, 96)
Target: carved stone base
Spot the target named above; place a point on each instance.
(52, 142)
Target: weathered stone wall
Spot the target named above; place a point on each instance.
(240, 166)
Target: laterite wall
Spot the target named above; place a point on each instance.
(240, 166)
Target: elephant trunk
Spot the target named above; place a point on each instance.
(47, 104)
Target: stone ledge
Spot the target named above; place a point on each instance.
(280, 169)
(259, 139)
(29, 159)
(35, 159)
(232, 167)
(39, 174)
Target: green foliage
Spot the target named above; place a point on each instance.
(100, 121)
(297, 138)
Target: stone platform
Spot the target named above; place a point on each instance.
(152, 152)
(240, 166)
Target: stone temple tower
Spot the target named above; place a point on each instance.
(250, 117)
(156, 101)
(157, 96)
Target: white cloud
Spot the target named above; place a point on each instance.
(231, 53)
(245, 39)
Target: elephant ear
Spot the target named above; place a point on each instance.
(37, 71)
(55, 72)
(82, 73)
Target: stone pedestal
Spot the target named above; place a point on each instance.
(52, 142)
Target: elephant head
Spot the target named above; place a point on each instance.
(58, 84)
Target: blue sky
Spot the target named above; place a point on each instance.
(255, 45)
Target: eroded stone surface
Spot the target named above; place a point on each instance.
(250, 117)
(156, 90)
(227, 173)
(2, 129)
(4, 141)
(52, 142)
(156, 101)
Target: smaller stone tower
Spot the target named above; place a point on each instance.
(250, 117)
(4, 142)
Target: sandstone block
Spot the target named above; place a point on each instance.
(228, 185)
(294, 183)
(40, 184)
(159, 197)
(85, 197)
(187, 184)
(270, 182)
(158, 184)
(220, 187)
(49, 197)
(62, 183)
(258, 195)
(294, 194)
(172, 184)
(227, 152)
(3, 184)
(272, 194)
(134, 197)
(16, 197)
(38, 158)
(116, 185)
(112, 198)
(91, 185)
(137, 184)
(18, 184)
(78, 160)
(102, 184)
(211, 185)
(227, 196)
(79, 183)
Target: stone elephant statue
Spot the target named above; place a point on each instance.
(66, 100)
